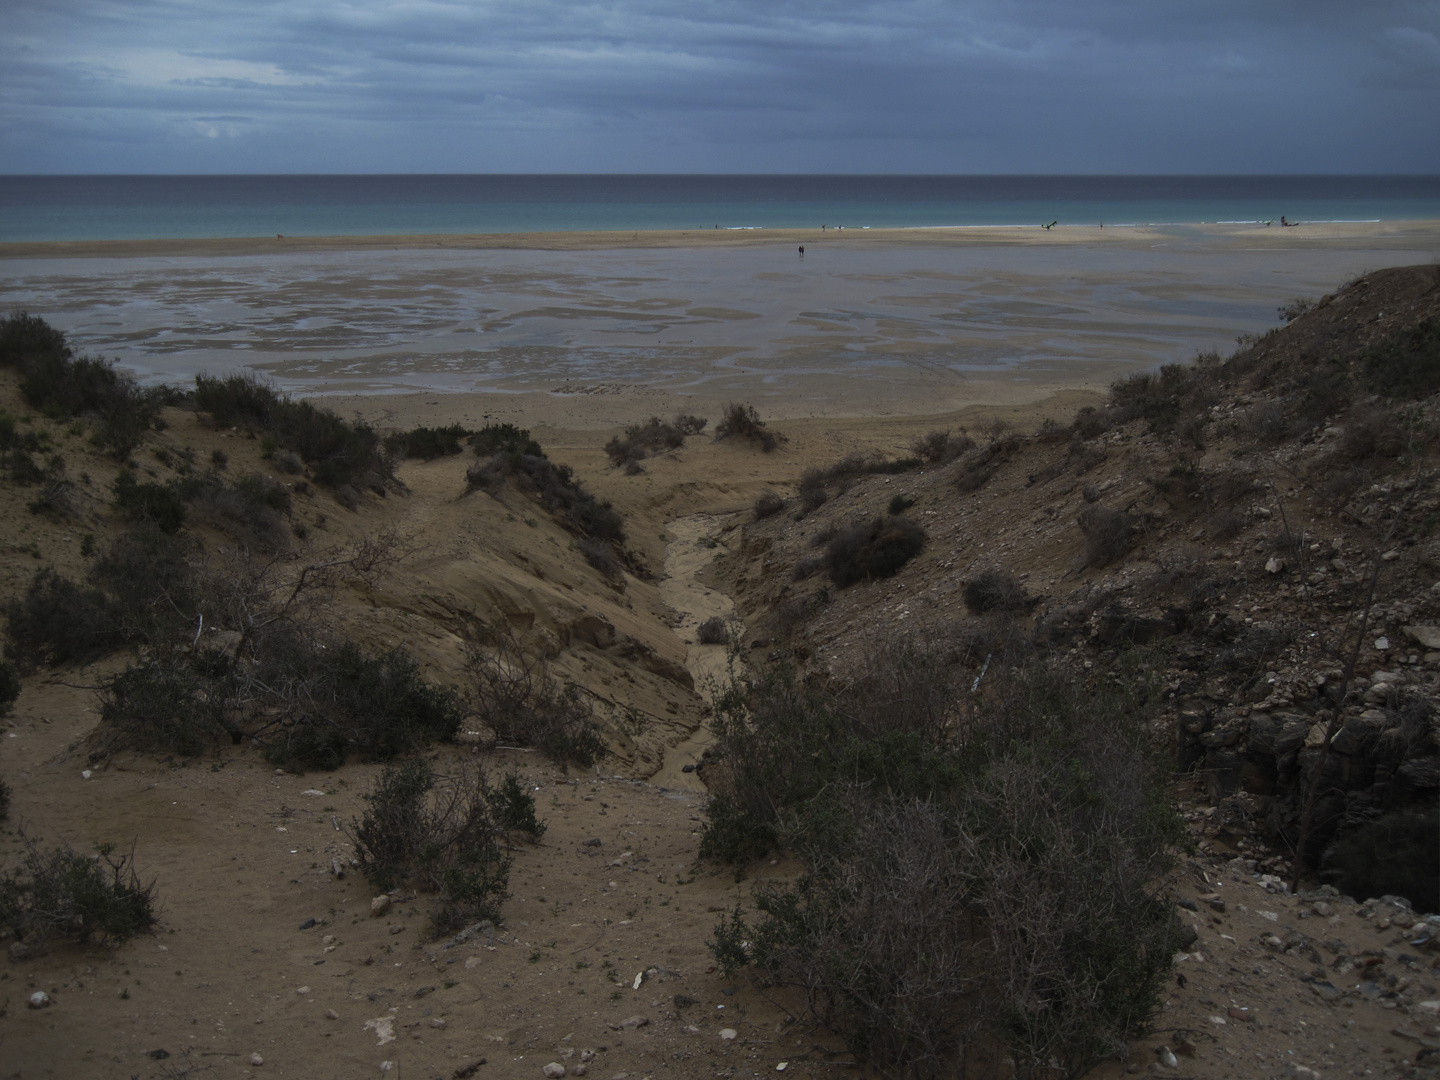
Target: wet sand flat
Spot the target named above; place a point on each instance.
(605, 327)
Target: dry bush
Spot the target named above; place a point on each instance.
(996, 589)
(1371, 432)
(941, 447)
(1108, 534)
(866, 550)
(767, 504)
(601, 556)
(60, 892)
(521, 703)
(807, 567)
(713, 631)
(743, 422)
(978, 466)
(655, 436)
(977, 869)
(446, 836)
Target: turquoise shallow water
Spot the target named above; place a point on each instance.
(178, 207)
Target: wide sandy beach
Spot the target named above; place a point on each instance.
(590, 330)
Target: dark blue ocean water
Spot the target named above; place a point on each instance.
(140, 207)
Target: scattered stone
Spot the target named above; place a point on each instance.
(1185, 1047)
(437, 1021)
(331, 1014)
(728, 1034)
(257, 1060)
(39, 999)
(1427, 636)
(302, 990)
(683, 1001)
(630, 1023)
(1215, 902)
(594, 841)
(1274, 565)
(467, 1071)
(424, 991)
(554, 1070)
(579, 1069)
(1382, 643)
(1167, 1058)
(307, 924)
(380, 905)
(1323, 909)
(1238, 1014)
(396, 928)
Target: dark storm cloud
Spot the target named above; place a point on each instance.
(725, 85)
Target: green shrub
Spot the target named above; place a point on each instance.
(346, 701)
(58, 621)
(449, 840)
(425, 443)
(161, 504)
(236, 400)
(556, 488)
(1407, 364)
(60, 892)
(495, 439)
(1398, 854)
(60, 384)
(899, 503)
(872, 549)
(339, 452)
(978, 868)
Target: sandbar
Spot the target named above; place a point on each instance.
(592, 330)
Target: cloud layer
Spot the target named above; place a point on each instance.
(720, 86)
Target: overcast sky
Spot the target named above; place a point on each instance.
(889, 86)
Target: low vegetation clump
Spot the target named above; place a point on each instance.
(523, 705)
(941, 447)
(739, 421)
(654, 436)
(509, 453)
(866, 550)
(1407, 364)
(57, 382)
(818, 486)
(978, 868)
(446, 836)
(304, 705)
(713, 631)
(143, 590)
(9, 685)
(995, 589)
(1397, 854)
(339, 453)
(1109, 534)
(767, 504)
(59, 892)
(425, 443)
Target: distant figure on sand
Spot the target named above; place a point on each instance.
(802, 251)
(1288, 224)
(1052, 224)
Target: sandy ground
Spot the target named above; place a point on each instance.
(242, 855)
